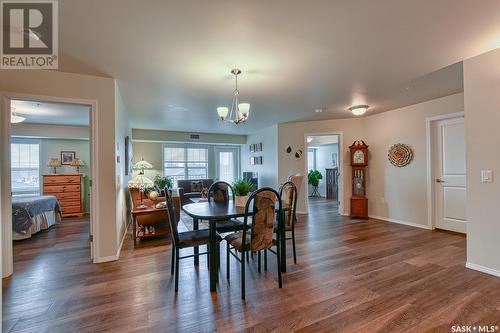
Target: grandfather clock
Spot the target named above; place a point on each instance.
(359, 162)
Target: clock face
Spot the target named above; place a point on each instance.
(358, 157)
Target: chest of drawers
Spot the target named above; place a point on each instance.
(68, 190)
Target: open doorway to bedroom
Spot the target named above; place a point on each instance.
(323, 166)
(50, 169)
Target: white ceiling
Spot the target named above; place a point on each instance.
(52, 113)
(172, 58)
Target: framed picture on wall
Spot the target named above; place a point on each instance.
(335, 160)
(252, 148)
(67, 157)
(129, 156)
(258, 147)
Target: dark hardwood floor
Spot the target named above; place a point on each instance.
(351, 276)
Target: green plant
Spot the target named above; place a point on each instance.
(161, 182)
(314, 177)
(242, 187)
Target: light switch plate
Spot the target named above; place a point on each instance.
(486, 176)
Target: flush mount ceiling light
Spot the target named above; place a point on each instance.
(359, 110)
(239, 111)
(14, 118)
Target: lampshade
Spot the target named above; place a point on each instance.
(15, 119)
(359, 110)
(142, 165)
(222, 112)
(244, 109)
(54, 163)
(77, 162)
(141, 182)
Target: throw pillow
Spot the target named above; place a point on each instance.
(196, 186)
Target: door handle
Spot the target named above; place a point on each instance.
(440, 181)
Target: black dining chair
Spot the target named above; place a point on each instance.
(181, 240)
(219, 192)
(259, 235)
(288, 194)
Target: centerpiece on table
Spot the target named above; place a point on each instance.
(242, 188)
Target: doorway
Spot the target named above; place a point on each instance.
(448, 174)
(227, 163)
(323, 169)
(25, 165)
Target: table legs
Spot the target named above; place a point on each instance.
(196, 249)
(213, 255)
(134, 230)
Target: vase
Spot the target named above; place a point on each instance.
(241, 201)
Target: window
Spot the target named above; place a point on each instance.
(25, 168)
(311, 159)
(185, 162)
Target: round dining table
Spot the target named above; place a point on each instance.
(220, 211)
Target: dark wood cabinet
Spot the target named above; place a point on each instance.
(332, 183)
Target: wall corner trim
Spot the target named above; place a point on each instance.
(115, 257)
(410, 224)
(482, 269)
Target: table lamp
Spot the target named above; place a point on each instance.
(141, 182)
(54, 163)
(142, 165)
(77, 163)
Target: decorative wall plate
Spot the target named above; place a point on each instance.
(400, 155)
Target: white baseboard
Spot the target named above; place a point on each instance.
(411, 224)
(483, 269)
(106, 259)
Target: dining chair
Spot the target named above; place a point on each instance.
(259, 235)
(182, 240)
(219, 192)
(288, 194)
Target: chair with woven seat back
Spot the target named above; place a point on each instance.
(219, 192)
(258, 236)
(288, 194)
(181, 240)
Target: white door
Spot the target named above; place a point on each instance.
(450, 190)
(227, 166)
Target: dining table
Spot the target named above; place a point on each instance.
(219, 211)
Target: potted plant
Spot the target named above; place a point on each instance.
(313, 178)
(161, 182)
(241, 189)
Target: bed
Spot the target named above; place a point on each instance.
(33, 214)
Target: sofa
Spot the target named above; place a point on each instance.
(192, 188)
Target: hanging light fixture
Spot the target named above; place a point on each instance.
(359, 110)
(14, 118)
(239, 112)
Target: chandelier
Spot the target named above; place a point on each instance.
(239, 111)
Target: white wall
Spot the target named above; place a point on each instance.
(267, 170)
(482, 136)
(293, 134)
(102, 90)
(50, 131)
(404, 189)
(123, 201)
